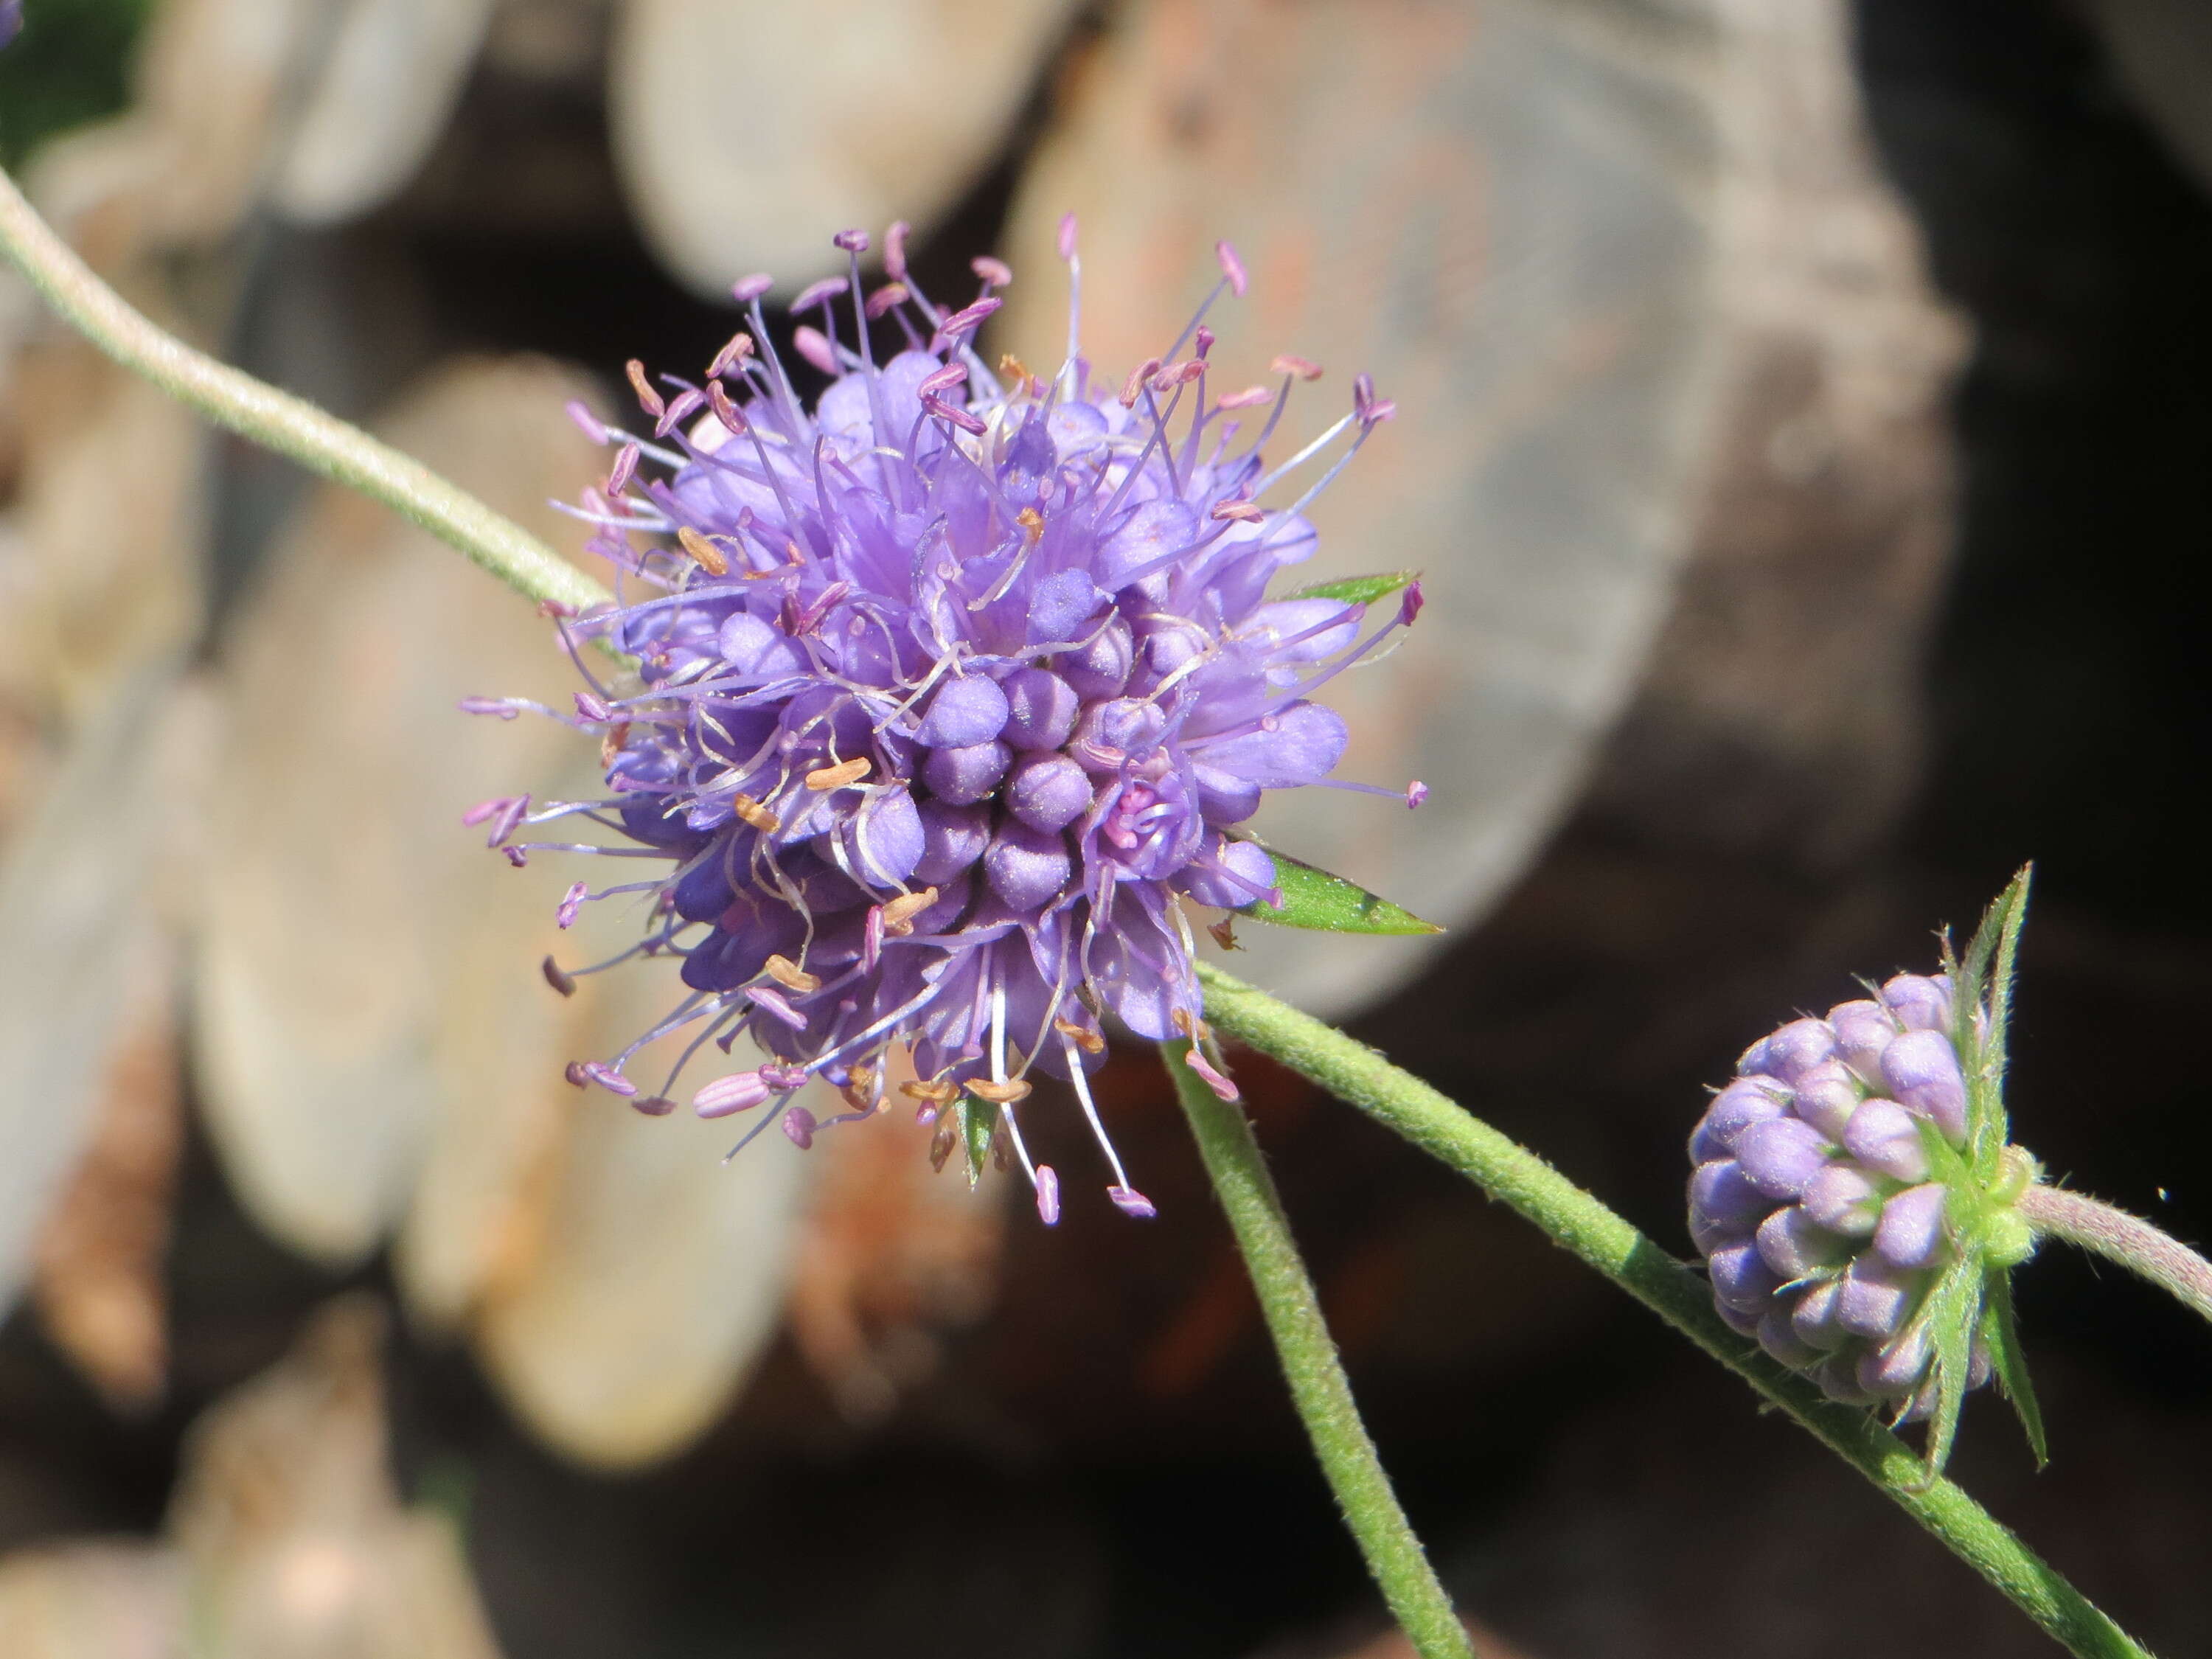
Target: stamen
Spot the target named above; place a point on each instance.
(703, 552)
(1000, 1094)
(1047, 1196)
(826, 778)
(648, 399)
(1231, 267)
(560, 982)
(786, 972)
(818, 292)
(898, 914)
(755, 814)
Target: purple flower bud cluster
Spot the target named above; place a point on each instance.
(953, 691)
(1814, 1203)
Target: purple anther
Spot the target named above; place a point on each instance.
(571, 901)
(624, 468)
(885, 297)
(1303, 369)
(502, 812)
(587, 422)
(740, 1091)
(966, 320)
(504, 707)
(746, 290)
(1047, 1196)
(940, 380)
(1250, 397)
(1202, 342)
(818, 292)
(1231, 267)
(851, 241)
(959, 417)
(653, 1105)
(608, 1079)
(814, 345)
(995, 273)
(1416, 792)
(1362, 392)
(1139, 378)
(556, 978)
(732, 419)
(1129, 1201)
(574, 1071)
(774, 1003)
(685, 404)
(1196, 1059)
(798, 1127)
(734, 351)
(784, 1078)
(1067, 236)
(517, 856)
(895, 250)
(1179, 374)
(590, 708)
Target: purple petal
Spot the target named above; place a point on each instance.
(967, 710)
(1922, 1071)
(1300, 745)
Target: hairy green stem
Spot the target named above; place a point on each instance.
(1318, 1385)
(1578, 1223)
(2118, 1237)
(290, 426)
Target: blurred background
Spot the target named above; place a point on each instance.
(1804, 423)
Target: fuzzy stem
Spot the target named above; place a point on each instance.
(1315, 1375)
(1578, 1223)
(291, 426)
(2142, 1249)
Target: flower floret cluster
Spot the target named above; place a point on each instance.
(1815, 1201)
(953, 691)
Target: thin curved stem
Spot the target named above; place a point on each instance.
(291, 426)
(1315, 1375)
(2118, 1237)
(1580, 1225)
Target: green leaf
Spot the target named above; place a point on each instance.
(1329, 904)
(979, 1122)
(2001, 1333)
(1359, 590)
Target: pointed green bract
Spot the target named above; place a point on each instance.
(2001, 1335)
(979, 1122)
(1359, 590)
(1952, 1312)
(1316, 900)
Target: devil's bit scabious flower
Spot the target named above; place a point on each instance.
(955, 689)
(1820, 1202)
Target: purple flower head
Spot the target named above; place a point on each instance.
(953, 692)
(11, 21)
(1812, 1202)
